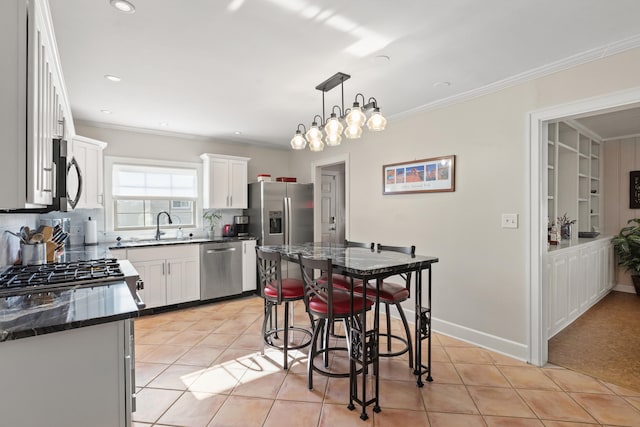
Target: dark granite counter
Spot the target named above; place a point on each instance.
(124, 244)
(74, 307)
(359, 262)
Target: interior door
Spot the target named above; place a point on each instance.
(328, 207)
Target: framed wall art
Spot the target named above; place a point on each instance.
(420, 176)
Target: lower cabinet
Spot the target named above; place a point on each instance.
(171, 274)
(577, 278)
(77, 377)
(249, 275)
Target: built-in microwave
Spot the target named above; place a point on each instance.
(68, 178)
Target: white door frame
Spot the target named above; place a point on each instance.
(538, 345)
(316, 177)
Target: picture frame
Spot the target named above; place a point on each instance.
(433, 175)
(634, 190)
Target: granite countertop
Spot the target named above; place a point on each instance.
(360, 262)
(124, 244)
(73, 307)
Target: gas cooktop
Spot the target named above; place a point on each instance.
(28, 279)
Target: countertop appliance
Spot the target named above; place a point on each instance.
(228, 230)
(241, 223)
(220, 270)
(281, 213)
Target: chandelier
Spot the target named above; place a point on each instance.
(349, 122)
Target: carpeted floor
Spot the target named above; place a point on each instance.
(604, 342)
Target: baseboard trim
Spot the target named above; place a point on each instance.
(500, 345)
(625, 288)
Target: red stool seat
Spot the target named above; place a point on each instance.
(291, 288)
(342, 282)
(390, 293)
(341, 304)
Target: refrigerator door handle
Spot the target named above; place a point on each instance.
(287, 220)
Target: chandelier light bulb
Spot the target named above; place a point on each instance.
(333, 139)
(376, 122)
(353, 132)
(314, 133)
(355, 117)
(298, 142)
(333, 126)
(316, 145)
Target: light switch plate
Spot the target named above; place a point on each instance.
(509, 220)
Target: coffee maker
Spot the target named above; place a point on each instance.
(241, 223)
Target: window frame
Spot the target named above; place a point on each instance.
(110, 161)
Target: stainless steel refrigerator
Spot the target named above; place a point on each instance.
(281, 213)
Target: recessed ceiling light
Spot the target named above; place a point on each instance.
(441, 84)
(105, 111)
(123, 6)
(163, 124)
(238, 132)
(112, 78)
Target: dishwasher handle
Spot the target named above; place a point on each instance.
(213, 251)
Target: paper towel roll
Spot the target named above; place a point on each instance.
(90, 232)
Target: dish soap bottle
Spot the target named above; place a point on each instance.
(179, 234)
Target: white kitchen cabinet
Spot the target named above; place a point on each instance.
(89, 156)
(578, 276)
(249, 273)
(33, 108)
(225, 181)
(78, 377)
(171, 274)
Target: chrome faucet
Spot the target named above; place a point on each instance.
(158, 233)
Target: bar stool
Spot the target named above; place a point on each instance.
(393, 294)
(275, 290)
(325, 304)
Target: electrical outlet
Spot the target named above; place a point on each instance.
(509, 220)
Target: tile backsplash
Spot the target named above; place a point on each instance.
(13, 222)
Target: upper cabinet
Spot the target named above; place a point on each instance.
(574, 175)
(225, 181)
(33, 108)
(88, 182)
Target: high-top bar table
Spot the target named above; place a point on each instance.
(371, 265)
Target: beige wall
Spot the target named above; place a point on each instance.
(480, 282)
(621, 156)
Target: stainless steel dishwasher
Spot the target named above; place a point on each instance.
(220, 270)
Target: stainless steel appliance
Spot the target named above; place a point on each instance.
(220, 270)
(281, 213)
(241, 223)
(30, 279)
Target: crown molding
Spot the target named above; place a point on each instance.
(535, 73)
(172, 134)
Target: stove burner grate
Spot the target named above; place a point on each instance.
(34, 276)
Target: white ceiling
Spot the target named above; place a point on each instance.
(213, 67)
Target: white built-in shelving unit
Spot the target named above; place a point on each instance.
(573, 166)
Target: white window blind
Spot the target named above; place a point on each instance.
(153, 181)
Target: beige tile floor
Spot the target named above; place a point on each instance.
(203, 366)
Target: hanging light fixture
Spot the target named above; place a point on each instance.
(354, 117)
(298, 142)
(314, 136)
(376, 122)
